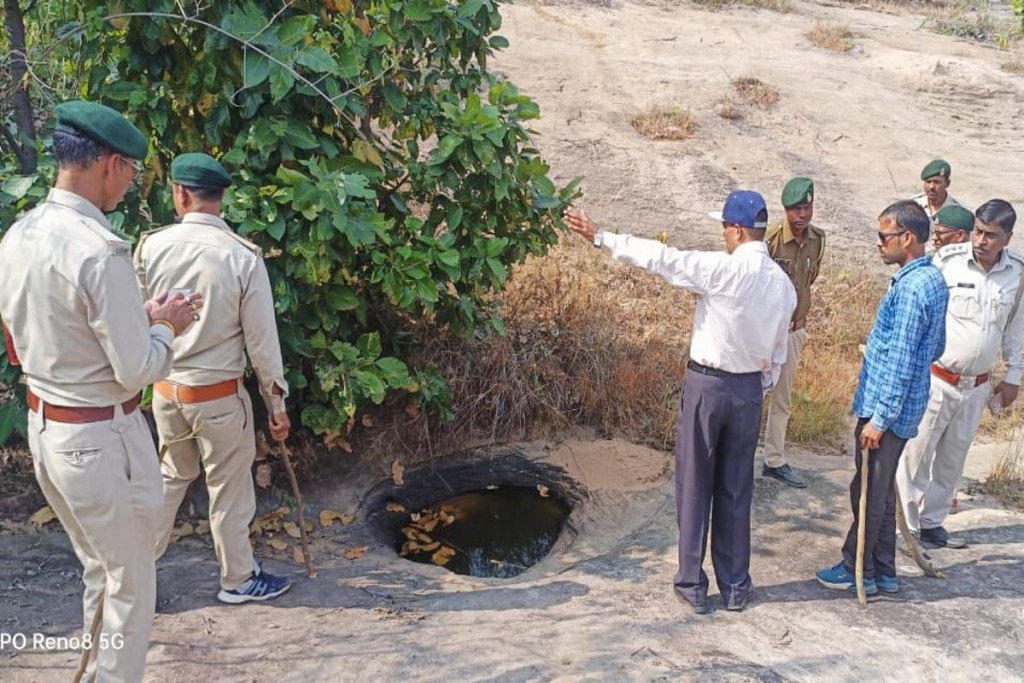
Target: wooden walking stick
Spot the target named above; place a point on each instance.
(287, 460)
(94, 634)
(862, 596)
(920, 558)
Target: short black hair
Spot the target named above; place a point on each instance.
(997, 212)
(76, 151)
(911, 217)
(206, 194)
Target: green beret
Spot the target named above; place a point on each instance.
(199, 170)
(799, 190)
(102, 124)
(955, 217)
(934, 168)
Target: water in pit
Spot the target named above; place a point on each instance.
(497, 533)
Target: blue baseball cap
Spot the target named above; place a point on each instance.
(745, 208)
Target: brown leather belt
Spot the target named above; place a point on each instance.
(182, 393)
(79, 415)
(953, 378)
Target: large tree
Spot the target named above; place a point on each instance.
(385, 171)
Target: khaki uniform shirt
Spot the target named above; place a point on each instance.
(801, 262)
(922, 201)
(202, 253)
(984, 314)
(68, 295)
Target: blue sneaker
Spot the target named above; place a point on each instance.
(260, 586)
(887, 584)
(838, 578)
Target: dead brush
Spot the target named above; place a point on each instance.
(831, 36)
(1014, 63)
(728, 109)
(755, 92)
(665, 122)
(1006, 479)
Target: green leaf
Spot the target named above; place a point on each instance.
(276, 228)
(290, 177)
(497, 269)
(396, 373)
(416, 12)
(317, 59)
(342, 298)
(369, 345)
(394, 97)
(498, 42)
(449, 258)
(281, 83)
(257, 68)
(469, 8)
(17, 187)
(448, 144)
(299, 135)
(371, 385)
(495, 245)
(14, 418)
(294, 30)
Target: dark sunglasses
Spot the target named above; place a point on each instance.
(883, 237)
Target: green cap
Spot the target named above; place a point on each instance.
(799, 190)
(102, 124)
(955, 217)
(934, 168)
(196, 169)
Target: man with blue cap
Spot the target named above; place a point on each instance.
(88, 345)
(203, 412)
(737, 350)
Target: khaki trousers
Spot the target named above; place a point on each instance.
(225, 444)
(102, 481)
(933, 461)
(781, 406)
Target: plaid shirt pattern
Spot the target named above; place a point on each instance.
(908, 335)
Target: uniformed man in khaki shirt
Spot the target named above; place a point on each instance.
(936, 196)
(798, 247)
(88, 345)
(983, 320)
(203, 412)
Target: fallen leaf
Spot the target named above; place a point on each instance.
(298, 556)
(292, 529)
(356, 552)
(203, 527)
(428, 524)
(263, 471)
(397, 473)
(542, 490)
(367, 421)
(415, 516)
(327, 518)
(307, 525)
(443, 556)
(412, 409)
(395, 507)
(182, 531)
(277, 544)
(43, 515)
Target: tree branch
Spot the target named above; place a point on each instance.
(25, 148)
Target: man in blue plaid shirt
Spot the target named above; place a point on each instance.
(892, 394)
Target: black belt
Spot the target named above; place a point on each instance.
(715, 372)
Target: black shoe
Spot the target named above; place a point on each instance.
(735, 604)
(940, 538)
(785, 474)
(701, 607)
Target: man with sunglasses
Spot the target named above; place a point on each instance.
(737, 350)
(984, 318)
(88, 345)
(892, 393)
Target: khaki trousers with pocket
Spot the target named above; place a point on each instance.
(224, 442)
(781, 406)
(102, 481)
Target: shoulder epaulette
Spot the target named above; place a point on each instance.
(251, 246)
(140, 269)
(951, 250)
(1019, 258)
(119, 248)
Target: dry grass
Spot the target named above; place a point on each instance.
(771, 5)
(974, 20)
(831, 36)
(1014, 63)
(1006, 480)
(665, 122)
(756, 92)
(728, 109)
(598, 344)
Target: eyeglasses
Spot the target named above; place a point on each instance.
(883, 237)
(134, 163)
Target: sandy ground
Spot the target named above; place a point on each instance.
(601, 608)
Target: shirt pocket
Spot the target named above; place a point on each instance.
(1003, 303)
(964, 304)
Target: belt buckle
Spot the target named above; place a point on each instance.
(966, 382)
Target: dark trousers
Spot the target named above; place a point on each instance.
(716, 435)
(880, 525)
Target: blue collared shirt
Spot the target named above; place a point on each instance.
(908, 335)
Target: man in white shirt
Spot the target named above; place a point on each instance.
(983, 319)
(737, 350)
